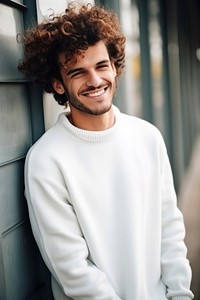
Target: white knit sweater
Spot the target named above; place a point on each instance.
(103, 212)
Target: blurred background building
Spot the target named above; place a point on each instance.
(161, 84)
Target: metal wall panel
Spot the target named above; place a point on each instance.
(19, 267)
(13, 206)
(15, 123)
(11, 51)
(23, 275)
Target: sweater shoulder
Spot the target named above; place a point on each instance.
(42, 150)
(141, 126)
(144, 134)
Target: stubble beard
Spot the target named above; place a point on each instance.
(76, 103)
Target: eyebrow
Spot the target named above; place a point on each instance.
(72, 71)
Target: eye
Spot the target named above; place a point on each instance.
(76, 74)
(103, 66)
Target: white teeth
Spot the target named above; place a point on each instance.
(95, 94)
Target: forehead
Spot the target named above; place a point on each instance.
(93, 55)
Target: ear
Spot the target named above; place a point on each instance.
(58, 86)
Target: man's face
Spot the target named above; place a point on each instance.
(90, 83)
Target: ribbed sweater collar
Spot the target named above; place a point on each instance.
(87, 135)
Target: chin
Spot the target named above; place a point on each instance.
(102, 109)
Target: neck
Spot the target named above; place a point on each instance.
(91, 122)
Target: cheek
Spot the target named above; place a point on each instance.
(71, 87)
(75, 86)
(113, 74)
(113, 79)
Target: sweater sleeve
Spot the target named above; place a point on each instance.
(176, 272)
(58, 234)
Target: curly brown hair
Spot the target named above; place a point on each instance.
(71, 32)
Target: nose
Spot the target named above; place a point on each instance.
(93, 79)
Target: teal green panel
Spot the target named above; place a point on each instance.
(11, 51)
(111, 4)
(19, 263)
(15, 126)
(12, 202)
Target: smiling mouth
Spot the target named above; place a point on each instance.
(95, 93)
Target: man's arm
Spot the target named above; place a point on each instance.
(59, 236)
(176, 272)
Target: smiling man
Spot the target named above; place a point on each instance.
(98, 184)
(90, 86)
